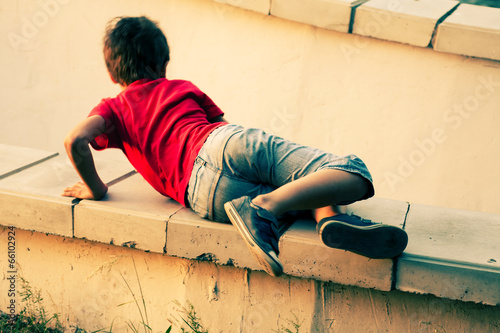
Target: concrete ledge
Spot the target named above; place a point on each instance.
(333, 14)
(31, 199)
(37, 213)
(303, 253)
(451, 253)
(85, 282)
(189, 236)
(471, 31)
(449, 279)
(15, 159)
(259, 6)
(132, 214)
(404, 21)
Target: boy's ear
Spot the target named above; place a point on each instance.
(163, 73)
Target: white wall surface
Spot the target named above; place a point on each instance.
(426, 123)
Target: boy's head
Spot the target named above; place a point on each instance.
(135, 48)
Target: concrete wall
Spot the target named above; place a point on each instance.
(425, 122)
(84, 282)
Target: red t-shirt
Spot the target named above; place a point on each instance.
(160, 125)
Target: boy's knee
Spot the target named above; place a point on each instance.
(364, 188)
(358, 188)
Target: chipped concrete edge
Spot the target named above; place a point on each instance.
(450, 279)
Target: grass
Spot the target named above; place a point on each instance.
(190, 318)
(188, 314)
(142, 312)
(294, 323)
(33, 317)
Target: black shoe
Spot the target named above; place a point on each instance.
(259, 229)
(352, 233)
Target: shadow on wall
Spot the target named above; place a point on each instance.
(488, 3)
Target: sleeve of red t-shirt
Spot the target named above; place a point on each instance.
(109, 139)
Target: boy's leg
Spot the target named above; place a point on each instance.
(319, 189)
(304, 178)
(327, 211)
(336, 230)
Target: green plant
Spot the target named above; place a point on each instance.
(142, 312)
(191, 319)
(139, 302)
(32, 317)
(294, 323)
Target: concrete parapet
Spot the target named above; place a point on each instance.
(404, 21)
(132, 214)
(472, 31)
(463, 29)
(259, 6)
(452, 255)
(332, 15)
(31, 199)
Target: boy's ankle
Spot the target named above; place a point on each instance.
(262, 201)
(326, 212)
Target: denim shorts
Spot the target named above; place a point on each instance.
(236, 161)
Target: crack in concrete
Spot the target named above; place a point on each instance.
(166, 228)
(395, 261)
(27, 166)
(122, 177)
(438, 22)
(406, 215)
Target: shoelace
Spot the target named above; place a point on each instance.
(273, 235)
(270, 233)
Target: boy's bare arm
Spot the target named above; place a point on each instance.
(78, 150)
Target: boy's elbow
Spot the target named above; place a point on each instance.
(74, 143)
(68, 142)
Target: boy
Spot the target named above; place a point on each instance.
(178, 140)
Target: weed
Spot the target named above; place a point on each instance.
(33, 317)
(139, 300)
(142, 312)
(191, 320)
(294, 323)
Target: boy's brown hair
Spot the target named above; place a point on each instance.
(135, 48)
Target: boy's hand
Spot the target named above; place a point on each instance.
(82, 191)
(77, 146)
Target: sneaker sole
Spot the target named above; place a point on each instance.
(376, 242)
(268, 261)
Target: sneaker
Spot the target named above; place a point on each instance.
(259, 229)
(352, 233)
